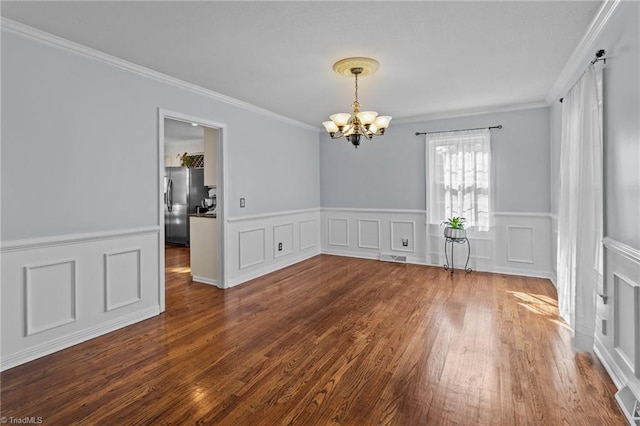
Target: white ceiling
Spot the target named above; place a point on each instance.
(436, 56)
(178, 131)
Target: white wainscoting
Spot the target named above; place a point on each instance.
(554, 249)
(518, 243)
(370, 233)
(482, 251)
(253, 243)
(61, 291)
(523, 244)
(617, 344)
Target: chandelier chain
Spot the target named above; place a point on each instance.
(356, 88)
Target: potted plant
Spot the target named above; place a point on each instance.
(454, 227)
(184, 160)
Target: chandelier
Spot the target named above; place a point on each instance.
(363, 123)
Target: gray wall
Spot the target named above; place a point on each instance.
(621, 40)
(389, 172)
(80, 146)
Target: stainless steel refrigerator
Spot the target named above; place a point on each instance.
(183, 191)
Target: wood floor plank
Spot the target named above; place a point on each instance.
(331, 340)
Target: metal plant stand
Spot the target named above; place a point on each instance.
(448, 241)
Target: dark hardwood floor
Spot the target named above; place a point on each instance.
(331, 340)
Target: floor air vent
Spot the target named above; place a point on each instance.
(393, 258)
(629, 404)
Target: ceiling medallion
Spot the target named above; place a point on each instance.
(363, 123)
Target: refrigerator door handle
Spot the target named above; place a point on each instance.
(170, 194)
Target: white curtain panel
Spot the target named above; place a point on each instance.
(581, 205)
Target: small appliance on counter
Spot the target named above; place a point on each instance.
(210, 203)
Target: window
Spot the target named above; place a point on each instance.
(459, 177)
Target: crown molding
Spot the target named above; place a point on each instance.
(471, 112)
(584, 49)
(43, 37)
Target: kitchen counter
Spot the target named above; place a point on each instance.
(210, 216)
(204, 248)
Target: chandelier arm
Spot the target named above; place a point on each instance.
(368, 135)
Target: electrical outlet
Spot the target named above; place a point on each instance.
(405, 242)
(241, 203)
(279, 246)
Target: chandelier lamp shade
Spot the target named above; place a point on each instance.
(362, 123)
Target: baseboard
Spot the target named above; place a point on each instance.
(616, 375)
(629, 404)
(357, 255)
(204, 280)
(65, 342)
(271, 268)
(417, 261)
(372, 256)
(554, 279)
(625, 397)
(522, 272)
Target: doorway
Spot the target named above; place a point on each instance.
(189, 186)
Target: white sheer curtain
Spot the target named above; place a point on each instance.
(581, 204)
(459, 176)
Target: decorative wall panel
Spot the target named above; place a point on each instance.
(626, 321)
(252, 247)
(308, 234)
(338, 231)
(122, 278)
(523, 244)
(520, 244)
(50, 295)
(282, 240)
(403, 230)
(369, 233)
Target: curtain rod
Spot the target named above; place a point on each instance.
(599, 57)
(499, 126)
